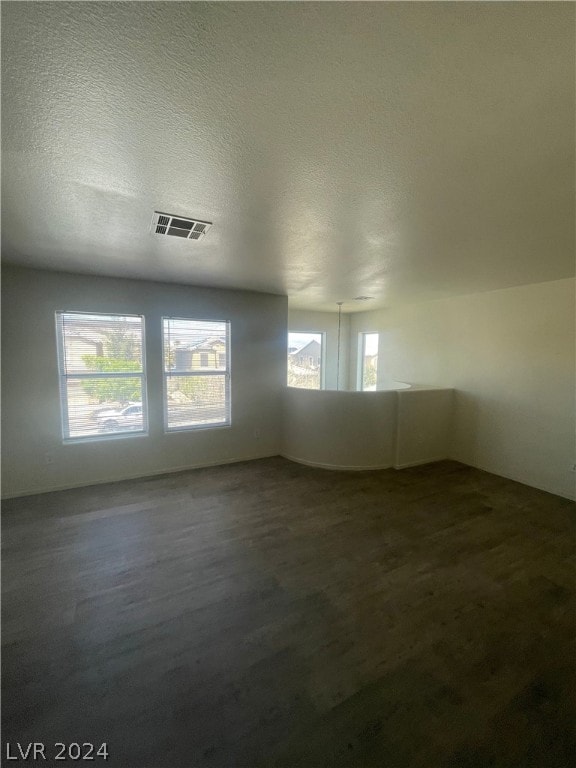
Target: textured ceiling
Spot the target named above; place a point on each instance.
(404, 151)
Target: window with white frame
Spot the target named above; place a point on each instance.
(305, 360)
(102, 380)
(196, 373)
(368, 359)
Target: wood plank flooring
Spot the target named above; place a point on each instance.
(267, 614)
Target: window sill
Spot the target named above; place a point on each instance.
(103, 438)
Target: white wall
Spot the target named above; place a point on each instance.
(366, 430)
(510, 356)
(326, 323)
(423, 426)
(339, 430)
(30, 388)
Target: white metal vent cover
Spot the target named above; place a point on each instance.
(178, 226)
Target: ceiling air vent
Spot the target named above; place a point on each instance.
(177, 226)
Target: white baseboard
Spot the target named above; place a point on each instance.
(236, 460)
(339, 467)
(119, 479)
(419, 463)
(538, 486)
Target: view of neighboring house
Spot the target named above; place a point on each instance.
(305, 364)
(98, 336)
(307, 356)
(78, 346)
(209, 353)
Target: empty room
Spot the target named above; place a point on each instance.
(298, 492)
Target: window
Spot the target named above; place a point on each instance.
(101, 365)
(305, 358)
(368, 357)
(196, 373)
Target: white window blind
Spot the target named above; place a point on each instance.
(196, 373)
(101, 364)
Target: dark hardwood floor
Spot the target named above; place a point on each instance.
(270, 614)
